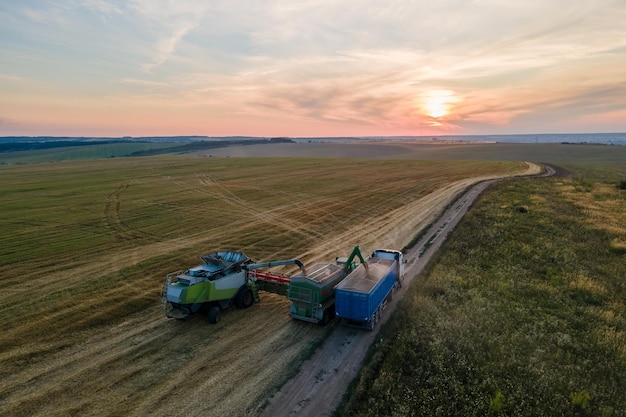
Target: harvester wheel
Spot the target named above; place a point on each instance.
(214, 314)
(245, 298)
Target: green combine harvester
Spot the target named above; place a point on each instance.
(223, 279)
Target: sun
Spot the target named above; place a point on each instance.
(436, 103)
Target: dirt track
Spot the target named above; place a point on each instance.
(150, 366)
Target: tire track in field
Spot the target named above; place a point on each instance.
(280, 217)
(394, 229)
(399, 226)
(113, 220)
(272, 217)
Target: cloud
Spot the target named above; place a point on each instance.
(145, 82)
(169, 21)
(101, 6)
(165, 47)
(11, 78)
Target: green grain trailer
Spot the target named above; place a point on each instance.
(313, 295)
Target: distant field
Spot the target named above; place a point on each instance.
(523, 312)
(85, 246)
(110, 150)
(547, 152)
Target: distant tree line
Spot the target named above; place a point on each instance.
(33, 146)
(203, 145)
(182, 148)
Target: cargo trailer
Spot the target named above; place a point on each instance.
(312, 294)
(363, 294)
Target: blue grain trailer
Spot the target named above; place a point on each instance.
(363, 294)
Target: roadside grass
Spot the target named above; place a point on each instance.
(523, 311)
(85, 244)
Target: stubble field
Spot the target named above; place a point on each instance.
(86, 245)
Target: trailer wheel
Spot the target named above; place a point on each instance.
(325, 318)
(214, 314)
(245, 298)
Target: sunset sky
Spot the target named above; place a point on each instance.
(311, 67)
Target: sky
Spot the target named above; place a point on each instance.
(308, 68)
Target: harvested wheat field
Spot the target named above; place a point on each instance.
(86, 246)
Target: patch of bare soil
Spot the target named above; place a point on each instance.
(152, 366)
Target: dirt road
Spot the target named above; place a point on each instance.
(323, 379)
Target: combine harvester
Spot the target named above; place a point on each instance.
(223, 279)
(361, 297)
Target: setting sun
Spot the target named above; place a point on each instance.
(436, 103)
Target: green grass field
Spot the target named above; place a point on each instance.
(523, 313)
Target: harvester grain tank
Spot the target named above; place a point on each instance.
(312, 294)
(363, 294)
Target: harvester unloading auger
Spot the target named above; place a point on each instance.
(269, 282)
